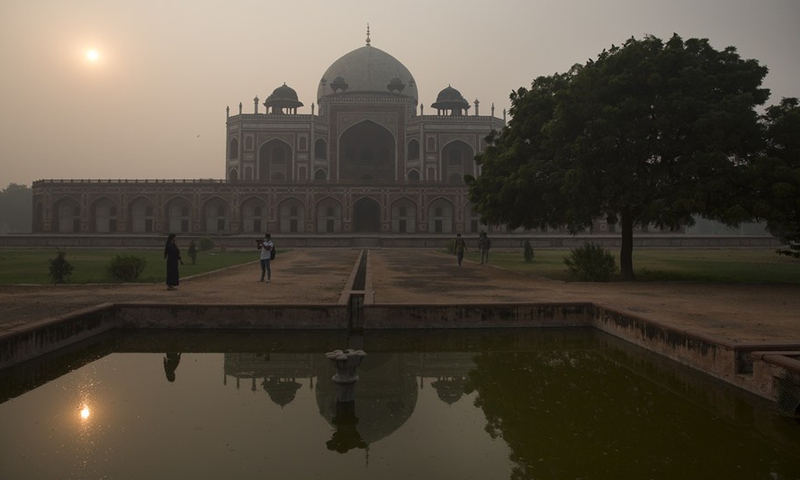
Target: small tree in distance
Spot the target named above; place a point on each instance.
(528, 251)
(60, 268)
(590, 263)
(206, 244)
(126, 268)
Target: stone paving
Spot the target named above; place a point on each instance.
(733, 313)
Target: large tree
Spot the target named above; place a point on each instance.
(776, 174)
(650, 132)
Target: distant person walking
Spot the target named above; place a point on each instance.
(484, 245)
(267, 249)
(173, 256)
(460, 248)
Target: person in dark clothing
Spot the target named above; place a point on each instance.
(173, 256)
(460, 248)
(484, 245)
(171, 361)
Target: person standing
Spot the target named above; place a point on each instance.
(173, 256)
(460, 248)
(484, 245)
(171, 361)
(266, 247)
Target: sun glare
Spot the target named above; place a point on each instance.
(92, 55)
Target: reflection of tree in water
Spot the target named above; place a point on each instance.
(575, 414)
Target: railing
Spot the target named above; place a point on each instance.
(457, 118)
(250, 183)
(130, 181)
(273, 116)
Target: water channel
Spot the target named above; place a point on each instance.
(520, 404)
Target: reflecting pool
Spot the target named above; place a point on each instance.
(522, 404)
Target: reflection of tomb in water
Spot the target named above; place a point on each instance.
(277, 372)
(532, 399)
(386, 392)
(450, 369)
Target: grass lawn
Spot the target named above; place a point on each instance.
(32, 266)
(678, 265)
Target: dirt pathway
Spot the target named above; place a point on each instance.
(737, 313)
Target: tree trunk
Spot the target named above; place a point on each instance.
(626, 250)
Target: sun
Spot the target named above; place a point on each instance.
(92, 55)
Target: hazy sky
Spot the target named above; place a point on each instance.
(152, 104)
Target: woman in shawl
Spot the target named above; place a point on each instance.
(173, 256)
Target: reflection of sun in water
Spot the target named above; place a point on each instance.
(92, 55)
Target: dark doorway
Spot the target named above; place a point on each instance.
(367, 153)
(366, 216)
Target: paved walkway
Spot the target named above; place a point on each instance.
(736, 313)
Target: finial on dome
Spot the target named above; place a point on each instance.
(368, 34)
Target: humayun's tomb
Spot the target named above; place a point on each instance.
(366, 162)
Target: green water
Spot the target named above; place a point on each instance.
(533, 404)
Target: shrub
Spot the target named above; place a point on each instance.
(60, 268)
(590, 263)
(192, 252)
(528, 251)
(206, 244)
(126, 268)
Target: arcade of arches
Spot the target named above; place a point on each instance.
(406, 213)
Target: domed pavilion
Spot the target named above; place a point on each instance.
(365, 161)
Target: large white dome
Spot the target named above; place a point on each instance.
(367, 70)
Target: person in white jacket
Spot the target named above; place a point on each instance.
(266, 247)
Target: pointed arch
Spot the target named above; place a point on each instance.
(329, 215)
(233, 148)
(320, 175)
(178, 212)
(141, 215)
(366, 215)
(103, 215)
(403, 214)
(458, 159)
(440, 216)
(254, 211)
(367, 153)
(274, 160)
(67, 214)
(320, 149)
(291, 216)
(216, 213)
(413, 149)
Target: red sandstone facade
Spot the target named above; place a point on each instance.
(367, 162)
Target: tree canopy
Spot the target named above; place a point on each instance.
(651, 132)
(16, 210)
(776, 175)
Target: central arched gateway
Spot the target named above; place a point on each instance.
(366, 216)
(367, 154)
